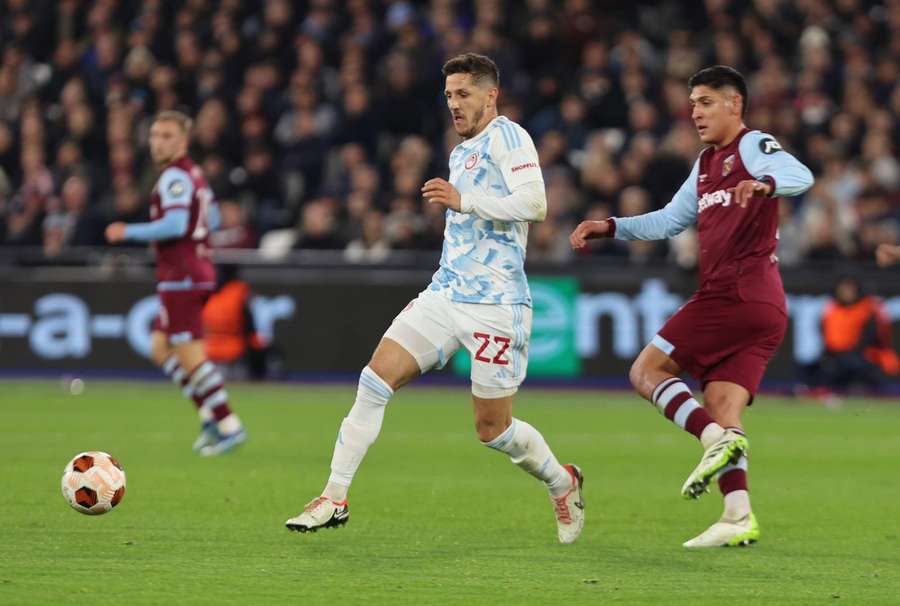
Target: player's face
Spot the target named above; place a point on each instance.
(168, 141)
(715, 113)
(471, 106)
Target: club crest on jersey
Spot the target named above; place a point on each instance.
(176, 188)
(472, 160)
(728, 165)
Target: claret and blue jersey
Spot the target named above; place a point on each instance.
(735, 242)
(483, 260)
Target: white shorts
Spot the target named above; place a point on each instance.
(496, 337)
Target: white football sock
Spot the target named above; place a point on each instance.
(737, 505)
(229, 425)
(358, 432)
(527, 448)
(711, 434)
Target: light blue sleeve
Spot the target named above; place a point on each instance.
(213, 217)
(173, 224)
(763, 156)
(670, 220)
(175, 188)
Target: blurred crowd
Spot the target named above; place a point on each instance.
(317, 121)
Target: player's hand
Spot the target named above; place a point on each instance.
(745, 190)
(115, 232)
(587, 230)
(887, 254)
(439, 191)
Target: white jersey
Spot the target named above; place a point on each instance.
(483, 261)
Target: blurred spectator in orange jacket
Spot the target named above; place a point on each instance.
(857, 334)
(231, 338)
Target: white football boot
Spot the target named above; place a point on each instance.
(726, 450)
(209, 435)
(224, 443)
(728, 533)
(321, 512)
(569, 508)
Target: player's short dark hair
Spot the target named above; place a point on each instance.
(180, 118)
(720, 76)
(482, 69)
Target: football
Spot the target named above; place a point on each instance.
(93, 483)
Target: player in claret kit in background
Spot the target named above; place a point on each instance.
(478, 299)
(182, 209)
(726, 333)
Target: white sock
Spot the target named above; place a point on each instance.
(358, 432)
(175, 372)
(229, 424)
(711, 434)
(737, 505)
(527, 448)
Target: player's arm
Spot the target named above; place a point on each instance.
(175, 189)
(670, 220)
(776, 172)
(213, 216)
(173, 224)
(887, 254)
(514, 154)
(527, 202)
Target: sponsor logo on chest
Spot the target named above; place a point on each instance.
(712, 199)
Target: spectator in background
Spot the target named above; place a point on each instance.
(857, 336)
(234, 230)
(371, 246)
(84, 224)
(229, 329)
(281, 88)
(317, 227)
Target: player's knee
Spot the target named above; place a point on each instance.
(635, 373)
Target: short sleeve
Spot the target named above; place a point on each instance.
(175, 188)
(516, 156)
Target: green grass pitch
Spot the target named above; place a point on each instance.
(435, 517)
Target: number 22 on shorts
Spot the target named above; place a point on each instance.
(485, 341)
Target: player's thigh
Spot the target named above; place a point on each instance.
(497, 339)
(752, 339)
(180, 315)
(424, 330)
(394, 363)
(191, 354)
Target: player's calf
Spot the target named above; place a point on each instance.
(673, 398)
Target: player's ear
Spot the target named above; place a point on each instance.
(493, 93)
(737, 104)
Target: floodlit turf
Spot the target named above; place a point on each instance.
(435, 517)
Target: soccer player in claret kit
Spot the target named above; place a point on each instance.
(726, 333)
(478, 300)
(182, 209)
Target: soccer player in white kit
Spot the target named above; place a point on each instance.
(478, 299)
